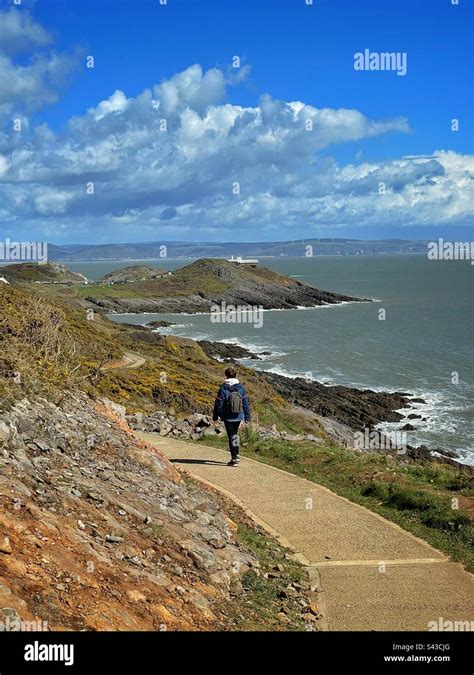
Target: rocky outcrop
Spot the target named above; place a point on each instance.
(159, 324)
(226, 351)
(99, 532)
(355, 408)
(208, 283)
(197, 426)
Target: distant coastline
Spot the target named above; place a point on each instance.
(182, 250)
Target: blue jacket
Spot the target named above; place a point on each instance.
(221, 409)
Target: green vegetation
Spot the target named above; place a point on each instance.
(45, 348)
(40, 273)
(194, 279)
(265, 595)
(432, 501)
(209, 276)
(46, 338)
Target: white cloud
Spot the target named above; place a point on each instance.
(19, 32)
(151, 181)
(29, 83)
(115, 103)
(51, 202)
(190, 88)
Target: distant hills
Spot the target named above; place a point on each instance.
(181, 249)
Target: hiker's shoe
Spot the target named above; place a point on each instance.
(237, 460)
(232, 462)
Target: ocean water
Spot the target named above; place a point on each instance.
(423, 345)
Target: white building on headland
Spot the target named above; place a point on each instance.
(241, 261)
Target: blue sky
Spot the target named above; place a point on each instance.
(150, 186)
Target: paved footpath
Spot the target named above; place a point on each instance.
(374, 574)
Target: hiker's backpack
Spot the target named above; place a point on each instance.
(234, 402)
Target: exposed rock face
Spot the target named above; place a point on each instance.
(356, 408)
(159, 324)
(226, 351)
(99, 532)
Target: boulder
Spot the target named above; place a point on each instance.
(118, 409)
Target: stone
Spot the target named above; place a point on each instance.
(4, 432)
(118, 409)
(5, 546)
(165, 428)
(236, 587)
(44, 447)
(113, 539)
(136, 596)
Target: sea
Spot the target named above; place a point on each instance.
(416, 336)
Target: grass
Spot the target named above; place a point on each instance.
(196, 278)
(212, 277)
(431, 501)
(264, 594)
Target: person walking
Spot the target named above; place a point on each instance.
(232, 406)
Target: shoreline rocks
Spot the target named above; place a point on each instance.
(355, 408)
(227, 351)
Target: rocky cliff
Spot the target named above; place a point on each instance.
(99, 532)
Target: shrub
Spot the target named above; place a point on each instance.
(412, 500)
(378, 489)
(446, 519)
(248, 435)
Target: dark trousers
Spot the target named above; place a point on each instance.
(232, 429)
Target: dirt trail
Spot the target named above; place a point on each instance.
(129, 360)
